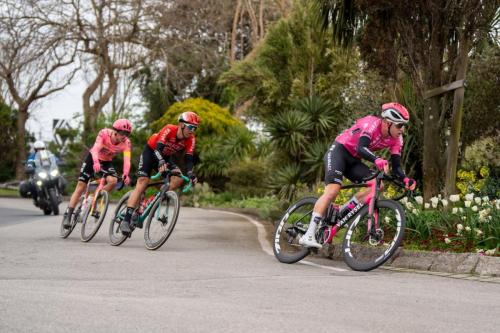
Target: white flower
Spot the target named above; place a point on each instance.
(404, 200)
(409, 205)
(387, 219)
(497, 204)
(444, 202)
(483, 214)
(490, 252)
(454, 198)
(467, 203)
(479, 251)
(447, 240)
(464, 218)
(454, 210)
(415, 211)
(434, 202)
(477, 200)
(460, 209)
(475, 209)
(427, 205)
(486, 198)
(439, 196)
(478, 232)
(467, 228)
(419, 200)
(460, 227)
(469, 196)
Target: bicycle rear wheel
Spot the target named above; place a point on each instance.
(290, 228)
(92, 221)
(161, 220)
(75, 218)
(116, 237)
(366, 249)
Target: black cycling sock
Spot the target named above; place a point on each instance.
(128, 214)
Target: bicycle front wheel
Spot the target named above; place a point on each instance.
(92, 219)
(290, 228)
(161, 220)
(366, 248)
(116, 237)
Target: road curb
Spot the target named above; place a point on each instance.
(436, 262)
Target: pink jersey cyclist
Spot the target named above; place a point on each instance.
(371, 127)
(102, 152)
(109, 142)
(359, 142)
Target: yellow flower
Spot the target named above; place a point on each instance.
(484, 172)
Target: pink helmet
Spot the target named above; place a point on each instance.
(190, 118)
(395, 112)
(122, 125)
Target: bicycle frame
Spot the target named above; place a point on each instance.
(371, 199)
(165, 184)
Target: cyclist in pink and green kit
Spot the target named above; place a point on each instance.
(109, 142)
(344, 157)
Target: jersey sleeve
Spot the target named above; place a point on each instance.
(126, 157)
(190, 143)
(162, 135)
(99, 142)
(397, 147)
(368, 129)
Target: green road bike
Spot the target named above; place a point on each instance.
(160, 212)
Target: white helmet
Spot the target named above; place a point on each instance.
(39, 145)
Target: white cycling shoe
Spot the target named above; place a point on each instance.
(309, 241)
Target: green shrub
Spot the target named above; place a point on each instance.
(247, 178)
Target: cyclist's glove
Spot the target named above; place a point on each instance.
(409, 183)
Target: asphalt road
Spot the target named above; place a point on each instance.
(213, 275)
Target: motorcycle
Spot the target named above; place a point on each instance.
(46, 181)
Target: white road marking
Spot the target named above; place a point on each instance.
(261, 236)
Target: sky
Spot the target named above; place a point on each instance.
(61, 105)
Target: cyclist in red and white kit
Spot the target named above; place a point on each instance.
(157, 154)
(367, 135)
(109, 142)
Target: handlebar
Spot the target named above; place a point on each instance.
(382, 176)
(185, 189)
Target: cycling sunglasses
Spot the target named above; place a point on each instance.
(191, 127)
(398, 125)
(124, 133)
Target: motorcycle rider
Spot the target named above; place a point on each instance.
(39, 157)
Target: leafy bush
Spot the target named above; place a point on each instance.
(215, 120)
(247, 178)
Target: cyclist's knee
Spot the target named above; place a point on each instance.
(111, 180)
(142, 183)
(331, 191)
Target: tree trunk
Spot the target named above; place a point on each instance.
(431, 151)
(456, 119)
(22, 117)
(234, 32)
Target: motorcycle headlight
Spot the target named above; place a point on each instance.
(42, 175)
(54, 172)
(39, 182)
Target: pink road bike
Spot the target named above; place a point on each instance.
(91, 209)
(375, 228)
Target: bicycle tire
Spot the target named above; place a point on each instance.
(84, 236)
(363, 252)
(116, 237)
(285, 242)
(160, 221)
(64, 233)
